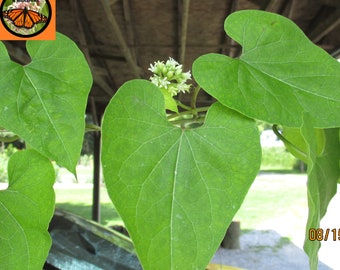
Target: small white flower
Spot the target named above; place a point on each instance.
(183, 87)
(172, 62)
(160, 82)
(186, 76)
(170, 76)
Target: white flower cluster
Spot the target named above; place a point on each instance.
(170, 76)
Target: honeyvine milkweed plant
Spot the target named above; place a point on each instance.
(177, 173)
(180, 177)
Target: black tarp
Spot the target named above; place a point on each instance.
(82, 244)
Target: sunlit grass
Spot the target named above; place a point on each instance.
(270, 197)
(78, 200)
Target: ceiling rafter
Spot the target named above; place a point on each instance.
(336, 53)
(183, 8)
(276, 6)
(152, 46)
(112, 2)
(137, 71)
(231, 49)
(130, 31)
(325, 26)
(333, 3)
(80, 18)
(101, 71)
(17, 53)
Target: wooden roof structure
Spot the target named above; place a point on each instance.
(120, 38)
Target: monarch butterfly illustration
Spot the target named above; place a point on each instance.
(24, 18)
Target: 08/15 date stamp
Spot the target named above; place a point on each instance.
(326, 234)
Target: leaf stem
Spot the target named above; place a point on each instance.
(183, 106)
(191, 111)
(287, 142)
(189, 123)
(92, 127)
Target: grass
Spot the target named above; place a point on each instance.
(78, 200)
(276, 202)
(277, 158)
(272, 197)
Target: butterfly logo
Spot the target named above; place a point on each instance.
(24, 18)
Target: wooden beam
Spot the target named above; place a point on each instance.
(333, 3)
(16, 53)
(325, 26)
(129, 29)
(112, 2)
(275, 6)
(103, 85)
(96, 163)
(183, 28)
(336, 53)
(154, 46)
(229, 46)
(100, 71)
(83, 44)
(121, 40)
(96, 178)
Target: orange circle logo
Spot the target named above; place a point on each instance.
(25, 18)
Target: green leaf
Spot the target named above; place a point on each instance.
(26, 208)
(170, 103)
(279, 75)
(44, 101)
(323, 173)
(177, 190)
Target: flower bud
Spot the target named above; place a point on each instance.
(170, 74)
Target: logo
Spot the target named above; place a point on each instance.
(27, 20)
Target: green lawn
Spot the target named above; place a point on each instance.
(79, 201)
(271, 197)
(275, 198)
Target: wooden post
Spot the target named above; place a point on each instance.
(232, 237)
(96, 165)
(96, 178)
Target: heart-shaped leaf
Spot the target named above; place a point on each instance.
(323, 174)
(280, 74)
(44, 101)
(176, 189)
(26, 208)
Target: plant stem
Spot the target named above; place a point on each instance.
(287, 142)
(183, 122)
(194, 97)
(183, 106)
(92, 127)
(191, 111)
